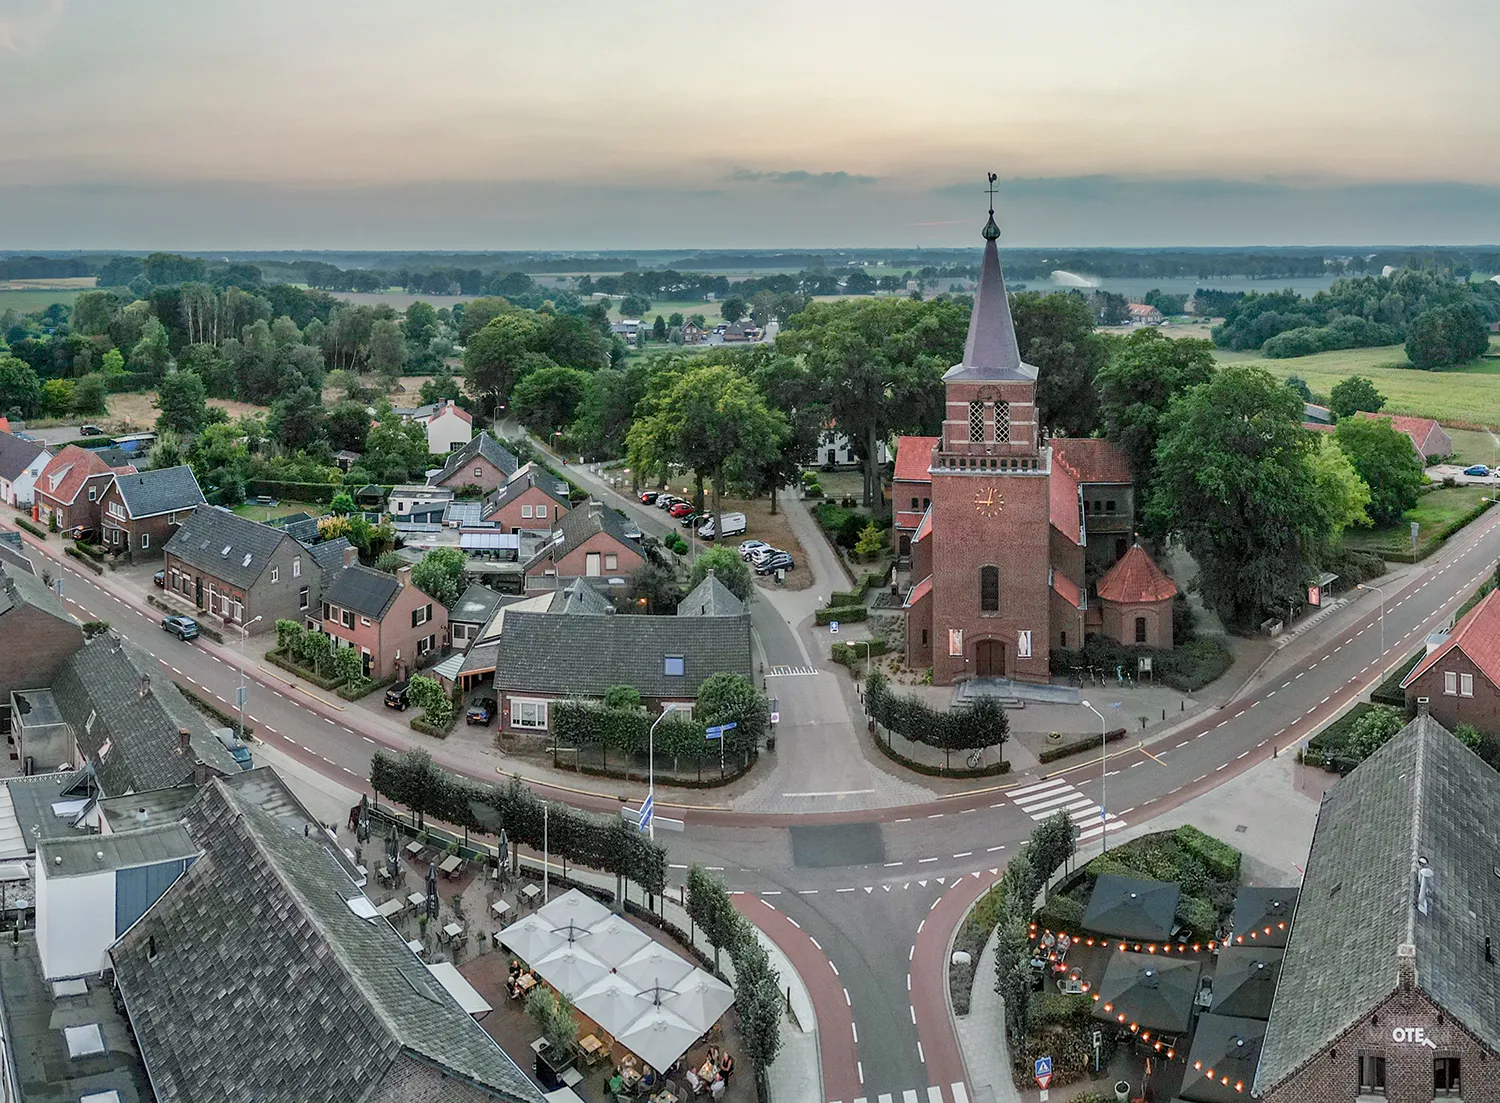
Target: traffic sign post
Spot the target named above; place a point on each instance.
(1043, 1072)
(833, 628)
(717, 732)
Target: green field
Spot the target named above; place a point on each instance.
(1433, 512)
(1467, 396)
(1475, 446)
(257, 512)
(28, 300)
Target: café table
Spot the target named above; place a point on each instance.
(499, 907)
(450, 865)
(453, 930)
(417, 899)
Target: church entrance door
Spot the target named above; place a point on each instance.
(989, 659)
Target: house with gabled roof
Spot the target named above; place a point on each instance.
(393, 623)
(448, 424)
(589, 542)
(71, 486)
(1460, 678)
(140, 511)
(533, 498)
(483, 462)
(21, 464)
(1429, 440)
(237, 570)
(710, 598)
(40, 634)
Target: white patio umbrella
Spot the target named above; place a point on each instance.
(570, 969)
(700, 999)
(573, 907)
(655, 966)
(615, 940)
(531, 938)
(658, 1037)
(612, 1002)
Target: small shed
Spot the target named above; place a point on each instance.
(1130, 907)
(370, 495)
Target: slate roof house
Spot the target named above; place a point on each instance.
(470, 613)
(710, 598)
(590, 542)
(1460, 678)
(1390, 982)
(21, 462)
(546, 657)
(128, 720)
(483, 462)
(531, 499)
(70, 488)
(237, 569)
(266, 928)
(141, 511)
(395, 625)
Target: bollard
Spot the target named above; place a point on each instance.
(1163, 714)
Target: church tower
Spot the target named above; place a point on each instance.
(990, 502)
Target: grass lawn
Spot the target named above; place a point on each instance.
(1468, 396)
(29, 299)
(257, 512)
(1433, 512)
(1474, 446)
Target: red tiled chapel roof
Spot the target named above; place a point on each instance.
(1135, 578)
(913, 454)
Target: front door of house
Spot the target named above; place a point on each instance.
(198, 591)
(989, 659)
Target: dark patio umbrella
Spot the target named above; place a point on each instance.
(392, 847)
(1128, 907)
(1221, 1066)
(362, 827)
(432, 891)
(1148, 991)
(1245, 981)
(1263, 917)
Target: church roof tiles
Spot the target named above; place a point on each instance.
(1135, 579)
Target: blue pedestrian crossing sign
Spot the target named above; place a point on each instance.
(1043, 1071)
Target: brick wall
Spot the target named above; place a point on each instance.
(1482, 710)
(48, 642)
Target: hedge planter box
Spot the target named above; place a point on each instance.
(1078, 746)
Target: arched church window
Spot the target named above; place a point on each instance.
(989, 589)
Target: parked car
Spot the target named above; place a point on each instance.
(691, 518)
(750, 547)
(235, 746)
(184, 628)
(648, 497)
(82, 532)
(90, 431)
(734, 525)
(481, 711)
(160, 578)
(681, 509)
(398, 696)
(1478, 469)
(666, 501)
(781, 561)
(762, 553)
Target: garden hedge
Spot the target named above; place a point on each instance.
(1079, 745)
(849, 613)
(847, 654)
(85, 560)
(279, 659)
(40, 534)
(296, 492)
(982, 724)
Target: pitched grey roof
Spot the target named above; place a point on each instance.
(103, 680)
(482, 444)
(16, 454)
(367, 592)
(991, 351)
(149, 493)
(476, 605)
(20, 587)
(582, 523)
(547, 483)
(581, 599)
(710, 598)
(561, 655)
(259, 930)
(329, 554)
(13, 558)
(299, 526)
(1423, 801)
(226, 545)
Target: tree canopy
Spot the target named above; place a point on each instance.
(440, 574)
(1145, 372)
(1349, 396)
(1386, 462)
(728, 568)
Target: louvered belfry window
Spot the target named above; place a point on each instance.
(1002, 421)
(976, 421)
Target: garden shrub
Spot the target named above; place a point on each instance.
(841, 613)
(1221, 859)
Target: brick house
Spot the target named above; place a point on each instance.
(483, 462)
(21, 464)
(545, 657)
(1135, 597)
(236, 570)
(1010, 532)
(1144, 314)
(140, 512)
(71, 486)
(1461, 676)
(31, 612)
(589, 542)
(1388, 984)
(532, 499)
(1428, 438)
(692, 333)
(394, 624)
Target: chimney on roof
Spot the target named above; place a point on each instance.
(142, 817)
(1422, 703)
(145, 690)
(184, 739)
(351, 555)
(403, 575)
(1406, 966)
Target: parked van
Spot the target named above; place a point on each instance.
(734, 525)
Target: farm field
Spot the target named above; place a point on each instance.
(27, 299)
(1475, 446)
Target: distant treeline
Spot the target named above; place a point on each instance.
(45, 268)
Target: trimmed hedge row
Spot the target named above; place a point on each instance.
(841, 613)
(847, 654)
(994, 769)
(40, 534)
(1077, 746)
(599, 842)
(208, 708)
(364, 689)
(982, 724)
(85, 560)
(297, 492)
(420, 723)
(1389, 692)
(276, 657)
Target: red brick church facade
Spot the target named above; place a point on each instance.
(1018, 544)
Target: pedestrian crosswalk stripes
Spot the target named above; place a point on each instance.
(934, 1093)
(790, 671)
(1051, 797)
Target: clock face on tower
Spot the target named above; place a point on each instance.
(988, 502)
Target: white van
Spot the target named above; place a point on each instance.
(734, 525)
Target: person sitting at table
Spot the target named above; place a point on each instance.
(616, 1084)
(726, 1065)
(718, 1087)
(694, 1083)
(648, 1078)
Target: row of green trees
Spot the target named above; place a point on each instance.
(981, 724)
(597, 842)
(1052, 844)
(757, 985)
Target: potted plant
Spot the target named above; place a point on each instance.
(553, 1016)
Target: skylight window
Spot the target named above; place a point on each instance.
(674, 666)
(84, 1041)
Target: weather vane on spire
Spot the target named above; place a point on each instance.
(991, 231)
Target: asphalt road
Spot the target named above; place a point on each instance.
(861, 882)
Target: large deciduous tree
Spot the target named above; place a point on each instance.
(1386, 461)
(1145, 372)
(1234, 478)
(727, 567)
(440, 574)
(1446, 335)
(1341, 494)
(296, 419)
(181, 402)
(1350, 396)
(1056, 333)
(20, 387)
(496, 355)
(546, 398)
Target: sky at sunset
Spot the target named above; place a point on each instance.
(581, 124)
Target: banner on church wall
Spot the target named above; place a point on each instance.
(956, 642)
(1023, 644)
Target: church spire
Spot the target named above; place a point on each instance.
(991, 351)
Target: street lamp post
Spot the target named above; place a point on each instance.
(1103, 768)
(244, 635)
(1381, 592)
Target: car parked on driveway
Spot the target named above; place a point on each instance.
(681, 509)
(781, 561)
(398, 696)
(1479, 470)
(160, 579)
(481, 711)
(90, 431)
(648, 497)
(666, 501)
(761, 554)
(184, 628)
(750, 547)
